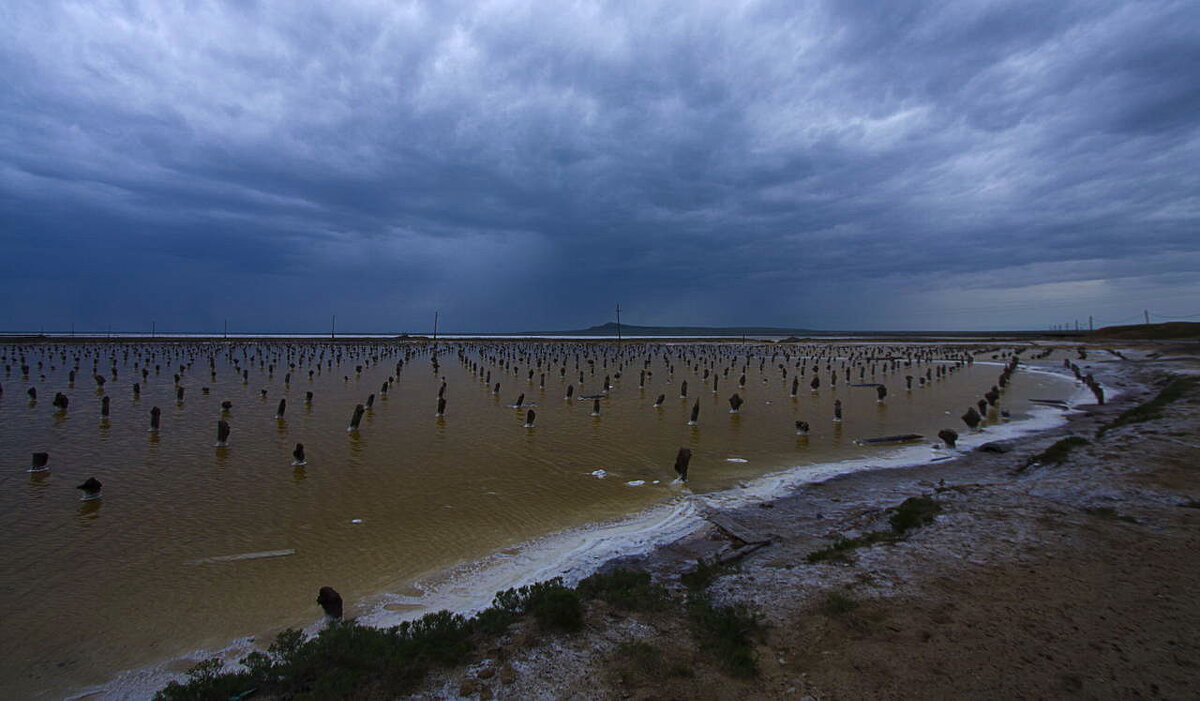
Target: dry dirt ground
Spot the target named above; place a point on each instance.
(1075, 580)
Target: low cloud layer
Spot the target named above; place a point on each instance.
(522, 165)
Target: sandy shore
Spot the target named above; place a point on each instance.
(1054, 581)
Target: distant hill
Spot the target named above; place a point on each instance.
(1175, 330)
(610, 329)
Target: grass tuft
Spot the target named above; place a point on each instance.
(841, 548)
(1172, 392)
(704, 573)
(726, 632)
(914, 512)
(837, 604)
(1108, 513)
(1058, 452)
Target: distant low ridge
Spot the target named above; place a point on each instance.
(610, 329)
(1174, 330)
(788, 334)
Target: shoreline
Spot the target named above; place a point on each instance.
(577, 552)
(883, 584)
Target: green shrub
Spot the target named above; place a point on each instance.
(558, 609)
(625, 589)
(553, 605)
(914, 512)
(700, 577)
(494, 621)
(339, 662)
(206, 682)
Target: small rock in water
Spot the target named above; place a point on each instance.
(599, 474)
(635, 483)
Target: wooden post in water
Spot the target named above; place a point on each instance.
(682, 459)
(91, 489)
(355, 418)
(331, 602)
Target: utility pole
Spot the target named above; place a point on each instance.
(435, 326)
(1147, 313)
(333, 326)
(618, 324)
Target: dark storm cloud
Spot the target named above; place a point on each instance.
(524, 165)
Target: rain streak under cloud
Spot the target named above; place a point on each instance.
(524, 165)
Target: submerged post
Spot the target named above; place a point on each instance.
(682, 459)
(356, 418)
(330, 601)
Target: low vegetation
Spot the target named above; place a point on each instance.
(1058, 452)
(841, 548)
(625, 589)
(913, 512)
(837, 604)
(1109, 513)
(1165, 331)
(342, 660)
(649, 661)
(726, 632)
(1172, 392)
(348, 660)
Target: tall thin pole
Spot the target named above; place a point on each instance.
(1147, 313)
(618, 323)
(1091, 326)
(333, 326)
(227, 328)
(435, 325)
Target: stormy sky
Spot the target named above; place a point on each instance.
(528, 165)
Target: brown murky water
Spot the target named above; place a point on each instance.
(143, 575)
